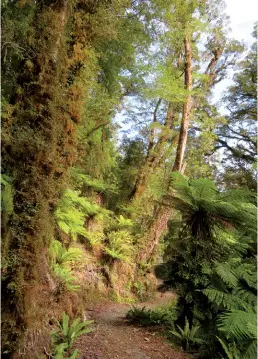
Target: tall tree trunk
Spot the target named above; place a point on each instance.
(154, 153)
(158, 226)
(36, 156)
(186, 108)
(162, 214)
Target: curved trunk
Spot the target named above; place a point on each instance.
(155, 231)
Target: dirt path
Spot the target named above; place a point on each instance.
(115, 338)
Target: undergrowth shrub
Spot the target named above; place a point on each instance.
(186, 337)
(72, 211)
(65, 280)
(150, 317)
(119, 246)
(65, 335)
(62, 261)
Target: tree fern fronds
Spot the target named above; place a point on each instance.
(231, 350)
(247, 272)
(238, 196)
(250, 350)
(119, 245)
(224, 210)
(180, 188)
(95, 238)
(229, 277)
(124, 222)
(72, 255)
(178, 180)
(73, 199)
(95, 184)
(203, 188)
(245, 295)
(238, 324)
(226, 300)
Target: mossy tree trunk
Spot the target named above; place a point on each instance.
(38, 156)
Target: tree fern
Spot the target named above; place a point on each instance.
(238, 324)
(238, 321)
(225, 300)
(200, 197)
(216, 226)
(228, 276)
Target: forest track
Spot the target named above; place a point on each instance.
(115, 338)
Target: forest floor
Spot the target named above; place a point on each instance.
(115, 338)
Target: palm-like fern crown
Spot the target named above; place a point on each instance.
(205, 209)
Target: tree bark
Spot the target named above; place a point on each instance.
(156, 229)
(154, 153)
(36, 155)
(186, 108)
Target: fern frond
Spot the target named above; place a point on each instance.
(231, 351)
(64, 257)
(203, 188)
(119, 245)
(238, 324)
(250, 350)
(226, 274)
(245, 295)
(226, 300)
(66, 277)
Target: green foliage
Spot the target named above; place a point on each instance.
(239, 324)
(205, 262)
(152, 317)
(140, 289)
(97, 185)
(7, 193)
(62, 260)
(66, 280)
(119, 245)
(64, 337)
(72, 212)
(231, 350)
(16, 25)
(95, 238)
(64, 257)
(237, 300)
(187, 337)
